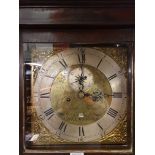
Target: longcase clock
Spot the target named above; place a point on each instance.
(76, 77)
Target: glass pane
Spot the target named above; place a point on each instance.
(75, 94)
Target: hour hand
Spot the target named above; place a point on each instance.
(96, 96)
(107, 95)
(77, 79)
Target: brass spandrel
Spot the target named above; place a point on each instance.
(118, 135)
(118, 54)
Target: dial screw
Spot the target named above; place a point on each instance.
(68, 99)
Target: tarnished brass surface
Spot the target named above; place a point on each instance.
(67, 102)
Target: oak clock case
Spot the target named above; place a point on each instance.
(75, 94)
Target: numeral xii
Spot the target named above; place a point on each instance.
(81, 56)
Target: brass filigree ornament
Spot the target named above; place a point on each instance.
(118, 135)
(39, 55)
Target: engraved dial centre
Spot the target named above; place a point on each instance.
(77, 105)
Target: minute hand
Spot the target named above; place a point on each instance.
(108, 95)
(82, 72)
(81, 81)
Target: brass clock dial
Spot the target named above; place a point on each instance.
(80, 94)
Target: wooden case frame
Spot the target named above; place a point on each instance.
(83, 22)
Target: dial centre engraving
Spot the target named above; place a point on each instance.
(79, 101)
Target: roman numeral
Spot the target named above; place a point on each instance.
(63, 126)
(49, 113)
(100, 126)
(63, 63)
(99, 63)
(48, 76)
(117, 95)
(81, 57)
(81, 131)
(112, 112)
(45, 95)
(112, 77)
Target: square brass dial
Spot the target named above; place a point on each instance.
(75, 94)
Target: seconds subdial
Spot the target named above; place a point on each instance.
(81, 81)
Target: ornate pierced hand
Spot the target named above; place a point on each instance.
(95, 96)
